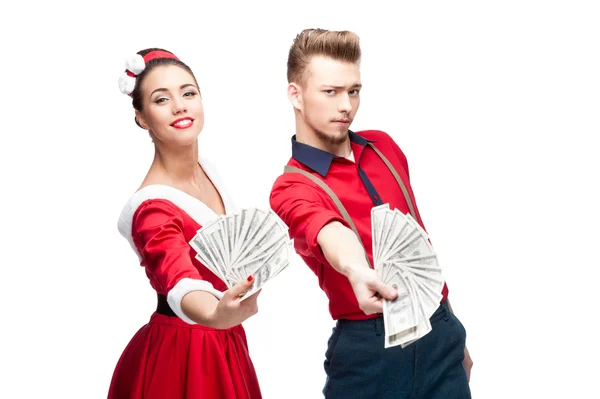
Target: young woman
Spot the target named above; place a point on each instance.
(194, 345)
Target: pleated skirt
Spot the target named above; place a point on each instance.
(170, 359)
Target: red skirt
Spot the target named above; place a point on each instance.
(169, 358)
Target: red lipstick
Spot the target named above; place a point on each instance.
(182, 123)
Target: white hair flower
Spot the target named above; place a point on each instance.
(126, 83)
(135, 64)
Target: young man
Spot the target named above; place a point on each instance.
(324, 89)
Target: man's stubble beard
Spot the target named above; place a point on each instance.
(335, 140)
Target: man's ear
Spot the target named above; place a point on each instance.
(294, 92)
(140, 120)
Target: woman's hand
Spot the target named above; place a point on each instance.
(231, 311)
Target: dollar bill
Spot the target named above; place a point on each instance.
(250, 242)
(405, 259)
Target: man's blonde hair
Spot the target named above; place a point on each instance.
(339, 45)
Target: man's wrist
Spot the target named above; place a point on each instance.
(353, 270)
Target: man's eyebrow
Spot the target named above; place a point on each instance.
(355, 86)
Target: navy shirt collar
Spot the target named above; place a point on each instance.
(319, 160)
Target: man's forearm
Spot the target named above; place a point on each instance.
(342, 248)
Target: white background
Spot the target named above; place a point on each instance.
(496, 105)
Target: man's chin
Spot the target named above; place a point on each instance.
(333, 137)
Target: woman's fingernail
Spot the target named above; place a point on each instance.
(250, 278)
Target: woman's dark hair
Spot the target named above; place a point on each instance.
(136, 94)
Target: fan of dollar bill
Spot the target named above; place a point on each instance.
(405, 260)
(250, 242)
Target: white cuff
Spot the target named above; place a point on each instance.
(184, 286)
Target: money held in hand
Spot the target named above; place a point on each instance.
(405, 260)
(250, 242)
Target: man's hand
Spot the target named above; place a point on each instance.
(468, 363)
(369, 289)
(344, 252)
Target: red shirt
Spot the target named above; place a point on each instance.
(360, 186)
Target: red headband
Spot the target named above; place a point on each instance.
(135, 65)
(152, 55)
(158, 54)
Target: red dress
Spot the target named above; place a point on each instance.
(171, 357)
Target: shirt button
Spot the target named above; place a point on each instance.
(376, 198)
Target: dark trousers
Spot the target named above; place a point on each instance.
(358, 365)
